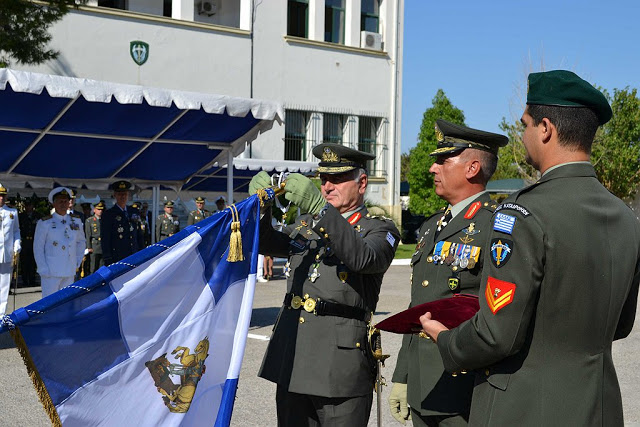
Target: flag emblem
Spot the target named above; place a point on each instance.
(504, 223)
(499, 294)
(178, 397)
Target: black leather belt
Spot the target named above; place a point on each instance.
(320, 307)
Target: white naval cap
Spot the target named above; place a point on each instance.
(57, 190)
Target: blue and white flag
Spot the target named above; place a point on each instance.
(156, 339)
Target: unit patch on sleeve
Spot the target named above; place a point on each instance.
(501, 251)
(514, 207)
(390, 239)
(504, 223)
(499, 294)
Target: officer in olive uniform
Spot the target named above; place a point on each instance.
(337, 253)
(199, 214)
(560, 280)
(167, 224)
(447, 261)
(28, 220)
(94, 240)
(120, 229)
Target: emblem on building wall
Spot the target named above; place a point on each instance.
(139, 51)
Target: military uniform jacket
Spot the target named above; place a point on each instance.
(327, 355)
(92, 234)
(58, 245)
(197, 216)
(166, 226)
(120, 233)
(9, 233)
(28, 228)
(431, 390)
(560, 283)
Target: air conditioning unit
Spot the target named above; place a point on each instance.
(208, 7)
(370, 40)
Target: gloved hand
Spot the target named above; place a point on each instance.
(303, 193)
(17, 247)
(398, 403)
(259, 181)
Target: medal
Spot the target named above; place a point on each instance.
(314, 273)
(287, 269)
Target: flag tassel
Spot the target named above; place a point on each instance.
(38, 384)
(235, 241)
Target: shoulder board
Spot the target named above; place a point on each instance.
(45, 218)
(514, 207)
(380, 217)
(75, 216)
(206, 211)
(490, 206)
(192, 213)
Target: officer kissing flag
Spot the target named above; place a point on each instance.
(155, 339)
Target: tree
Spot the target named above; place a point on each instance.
(24, 28)
(615, 151)
(404, 166)
(423, 200)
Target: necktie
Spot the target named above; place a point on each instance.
(444, 220)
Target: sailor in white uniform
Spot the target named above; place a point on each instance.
(10, 245)
(58, 244)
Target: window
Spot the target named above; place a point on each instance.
(295, 135)
(367, 139)
(334, 21)
(166, 8)
(298, 18)
(115, 4)
(370, 16)
(333, 128)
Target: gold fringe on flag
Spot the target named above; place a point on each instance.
(41, 390)
(235, 242)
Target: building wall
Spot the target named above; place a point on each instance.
(197, 53)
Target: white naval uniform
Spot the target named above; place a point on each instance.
(9, 245)
(58, 247)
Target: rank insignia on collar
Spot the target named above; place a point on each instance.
(473, 209)
(304, 223)
(499, 294)
(501, 250)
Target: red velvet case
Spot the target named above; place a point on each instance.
(451, 312)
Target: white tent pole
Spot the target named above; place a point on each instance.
(155, 195)
(229, 177)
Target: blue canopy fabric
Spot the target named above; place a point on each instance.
(81, 132)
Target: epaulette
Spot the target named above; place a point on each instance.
(206, 211)
(380, 217)
(490, 206)
(75, 216)
(45, 218)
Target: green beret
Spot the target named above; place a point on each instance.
(563, 88)
(336, 158)
(452, 138)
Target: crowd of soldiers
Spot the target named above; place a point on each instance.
(67, 244)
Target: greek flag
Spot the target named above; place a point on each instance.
(156, 339)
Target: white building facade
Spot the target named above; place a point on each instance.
(335, 65)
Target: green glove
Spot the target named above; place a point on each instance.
(398, 403)
(259, 181)
(303, 193)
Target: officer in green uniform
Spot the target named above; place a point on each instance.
(199, 214)
(447, 261)
(560, 280)
(28, 220)
(92, 236)
(337, 254)
(120, 226)
(167, 224)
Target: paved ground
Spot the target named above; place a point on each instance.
(255, 403)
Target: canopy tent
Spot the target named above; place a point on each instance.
(87, 133)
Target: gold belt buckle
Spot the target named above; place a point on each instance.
(309, 305)
(296, 302)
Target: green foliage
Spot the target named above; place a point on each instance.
(405, 166)
(423, 200)
(511, 158)
(616, 149)
(24, 26)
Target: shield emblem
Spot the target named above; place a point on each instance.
(139, 51)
